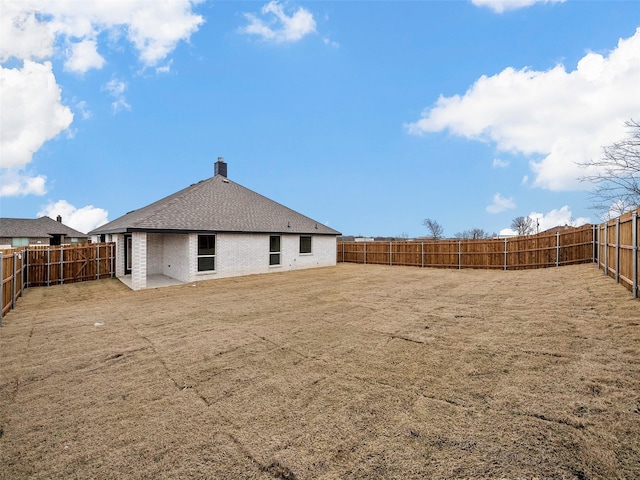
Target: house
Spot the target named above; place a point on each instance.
(22, 232)
(212, 229)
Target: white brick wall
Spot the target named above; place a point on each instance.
(246, 254)
(120, 246)
(155, 253)
(139, 261)
(176, 255)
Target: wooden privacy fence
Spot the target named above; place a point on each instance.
(21, 268)
(617, 252)
(565, 247)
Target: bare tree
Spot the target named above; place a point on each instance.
(474, 234)
(616, 174)
(433, 227)
(523, 225)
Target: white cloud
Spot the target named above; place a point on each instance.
(278, 26)
(555, 218)
(500, 6)
(557, 117)
(31, 28)
(331, 43)
(83, 108)
(500, 204)
(15, 184)
(82, 219)
(37, 32)
(497, 163)
(32, 112)
(83, 57)
(116, 89)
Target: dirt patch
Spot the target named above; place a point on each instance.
(357, 371)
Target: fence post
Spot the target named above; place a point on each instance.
(48, 266)
(618, 250)
(505, 253)
(13, 283)
(606, 248)
(98, 262)
(365, 253)
(21, 257)
(634, 254)
(422, 254)
(61, 265)
(598, 246)
(459, 254)
(557, 249)
(390, 253)
(593, 237)
(1, 287)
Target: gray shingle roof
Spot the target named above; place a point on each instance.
(216, 205)
(40, 227)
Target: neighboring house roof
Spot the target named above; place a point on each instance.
(216, 205)
(42, 227)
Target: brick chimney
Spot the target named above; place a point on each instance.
(220, 167)
(59, 219)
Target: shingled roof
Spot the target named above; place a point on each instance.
(42, 227)
(215, 205)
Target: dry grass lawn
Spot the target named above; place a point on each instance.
(347, 372)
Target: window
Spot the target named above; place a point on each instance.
(274, 250)
(19, 242)
(305, 243)
(206, 253)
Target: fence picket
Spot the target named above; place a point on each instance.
(23, 268)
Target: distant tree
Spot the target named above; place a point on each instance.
(523, 225)
(616, 174)
(434, 228)
(474, 234)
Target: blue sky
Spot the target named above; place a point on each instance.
(366, 116)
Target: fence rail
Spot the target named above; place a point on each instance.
(565, 247)
(26, 267)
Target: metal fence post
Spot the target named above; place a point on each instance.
(21, 258)
(634, 254)
(1, 287)
(13, 283)
(606, 248)
(617, 250)
(505, 253)
(598, 246)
